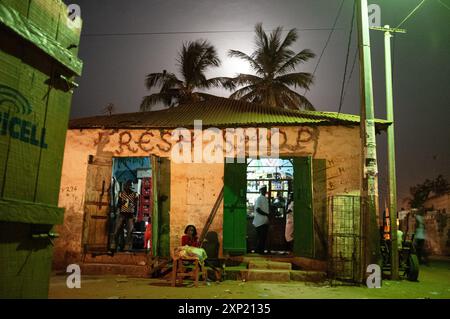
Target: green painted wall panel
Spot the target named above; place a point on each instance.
(52, 157)
(32, 99)
(10, 75)
(21, 6)
(45, 14)
(25, 262)
(23, 156)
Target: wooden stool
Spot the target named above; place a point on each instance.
(180, 270)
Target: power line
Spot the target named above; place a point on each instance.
(346, 58)
(412, 12)
(351, 73)
(328, 40)
(188, 32)
(446, 6)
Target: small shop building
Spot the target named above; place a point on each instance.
(315, 156)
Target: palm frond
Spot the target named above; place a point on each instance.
(224, 82)
(290, 38)
(299, 79)
(151, 100)
(300, 100)
(246, 79)
(300, 57)
(237, 95)
(159, 79)
(241, 55)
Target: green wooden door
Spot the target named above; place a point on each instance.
(235, 208)
(161, 206)
(303, 208)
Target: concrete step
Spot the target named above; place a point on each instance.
(122, 258)
(308, 276)
(242, 274)
(268, 275)
(113, 269)
(267, 264)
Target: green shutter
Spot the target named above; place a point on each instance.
(303, 210)
(320, 208)
(164, 207)
(235, 208)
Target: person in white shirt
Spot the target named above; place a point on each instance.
(261, 219)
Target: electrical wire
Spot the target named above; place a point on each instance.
(187, 32)
(351, 73)
(346, 58)
(412, 12)
(328, 40)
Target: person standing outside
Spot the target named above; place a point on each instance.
(420, 236)
(127, 210)
(289, 230)
(261, 219)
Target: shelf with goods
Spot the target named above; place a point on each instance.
(145, 201)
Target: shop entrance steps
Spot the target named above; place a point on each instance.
(265, 269)
(133, 264)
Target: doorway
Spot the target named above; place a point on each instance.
(297, 177)
(138, 171)
(277, 176)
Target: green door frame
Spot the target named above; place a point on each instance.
(235, 208)
(303, 207)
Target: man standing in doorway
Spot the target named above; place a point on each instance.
(261, 219)
(127, 210)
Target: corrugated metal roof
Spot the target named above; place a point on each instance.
(218, 112)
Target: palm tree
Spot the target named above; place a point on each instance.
(193, 60)
(272, 61)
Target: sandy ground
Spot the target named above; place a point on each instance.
(434, 283)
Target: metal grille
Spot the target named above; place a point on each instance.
(344, 237)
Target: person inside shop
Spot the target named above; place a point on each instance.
(148, 236)
(279, 203)
(127, 204)
(261, 220)
(190, 237)
(289, 230)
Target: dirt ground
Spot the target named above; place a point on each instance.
(434, 283)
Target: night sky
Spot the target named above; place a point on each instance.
(117, 58)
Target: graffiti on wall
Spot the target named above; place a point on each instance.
(336, 170)
(301, 140)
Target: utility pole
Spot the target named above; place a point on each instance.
(369, 192)
(391, 149)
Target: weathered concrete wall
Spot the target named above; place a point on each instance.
(438, 203)
(194, 187)
(194, 190)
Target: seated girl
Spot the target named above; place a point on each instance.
(190, 238)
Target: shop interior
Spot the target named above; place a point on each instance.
(277, 175)
(138, 171)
